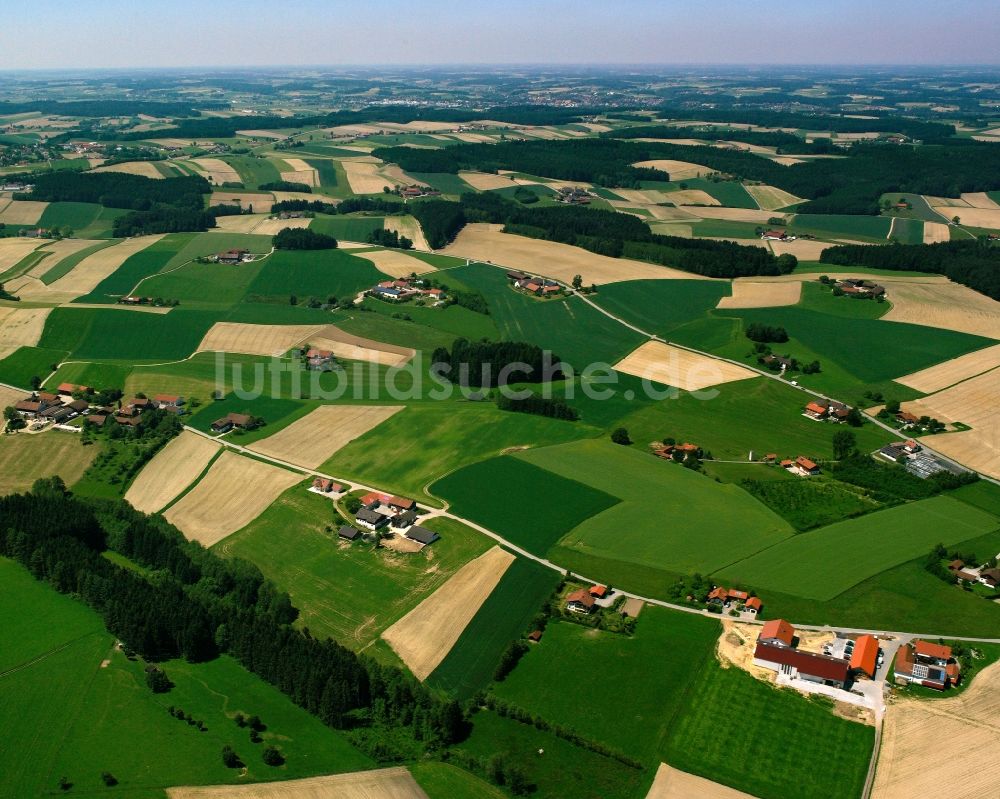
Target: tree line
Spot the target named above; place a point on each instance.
(539, 406)
(303, 239)
(786, 143)
(479, 364)
(118, 190)
(162, 219)
(975, 264)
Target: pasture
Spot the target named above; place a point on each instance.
(826, 562)
(634, 721)
(25, 363)
(503, 617)
(800, 749)
(861, 228)
(25, 458)
(317, 273)
(660, 306)
(483, 491)
(348, 592)
(136, 267)
(347, 228)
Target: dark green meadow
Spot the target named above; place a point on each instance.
(24, 363)
(347, 228)
(317, 273)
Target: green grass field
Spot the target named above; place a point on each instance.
(327, 171)
(275, 411)
(444, 182)
(863, 228)
(25, 458)
(24, 363)
(982, 494)
(503, 617)
(907, 231)
(920, 210)
(76, 216)
(102, 225)
(253, 170)
(653, 526)
(317, 273)
(826, 562)
(430, 440)
(634, 688)
(660, 306)
(773, 744)
(452, 322)
(198, 285)
(729, 193)
(347, 228)
(68, 715)
(528, 505)
(445, 781)
(138, 266)
(350, 592)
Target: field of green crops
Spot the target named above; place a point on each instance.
(316, 273)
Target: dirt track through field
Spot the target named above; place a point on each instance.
(942, 375)
(255, 339)
(484, 242)
(425, 635)
(386, 783)
(173, 469)
(680, 368)
(949, 306)
(943, 746)
(235, 491)
(671, 783)
(146, 169)
(750, 294)
(408, 226)
(315, 437)
(396, 263)
(86, 275)
(355, 348)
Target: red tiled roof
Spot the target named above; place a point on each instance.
(718, 593)
(805, 463)
(582, 596)
(598, 590)
(865, 654)
(929, 650)
(815, 407)
(754, 603)
(400, 502)
(778, 629)
(734, 594)
(168, 398)
(826, 668)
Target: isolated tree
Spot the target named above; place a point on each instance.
(577, 282)
(109, 779)
(272, 756)
(620, 436)
(844, 444)
(892, 406)
(157, 680)
(36, 382)
(229, 758)
(956, 220)
(854, 418)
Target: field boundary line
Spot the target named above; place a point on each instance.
(38, 658)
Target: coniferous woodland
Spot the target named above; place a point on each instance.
(303, 239)
(198, 606)
(118, 190)
(479, 364)
(975, 264)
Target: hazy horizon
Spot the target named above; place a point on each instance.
(114, 34)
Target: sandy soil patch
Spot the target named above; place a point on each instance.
(261, 203)
(320, 433)
(671, 783)
(930, 743)
(770, 198)
(21, 327)
(255, 339)
(736, 645)
(748, 294)
(355, 348)
(235, 491)
(22, 212)
(396, 262)
(300, 172)
(216, 170)
(386, 783)
(949, 306)
(260, 224)
(980, 199)
(484, 181)
(974, 217)
(146, 169)
(408, 226)
(954, 371)
(173, 469)
(85, 276)
(673, 366)
(13, 249)
(935, 232)
(484, 242)
(364, 176)
(425, 635)
(678, 170)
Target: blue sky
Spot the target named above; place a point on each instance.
(116, 33)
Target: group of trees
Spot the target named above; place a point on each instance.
(489, 364)
(200, 605)
(892, 484)
(786, 143)
(766, 334)
(441, 220)
(163, 219)
(286, 185)
(389, 238)
(975, 264)
(303, 239)
(119, 190)
(539, 406)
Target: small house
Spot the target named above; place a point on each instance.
(753, 605)
(535, 636)
(326, 486)
(348, 533)
(371, 519)
(806, 466)
(774, 235)
(580, 601)
(777, 632)
(404, 519)
(231, 420)
(165, 401)
(990, 577)
(817, 409)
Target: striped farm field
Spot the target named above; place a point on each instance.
(173, 469)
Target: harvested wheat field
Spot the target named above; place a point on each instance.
(8, 396)
(425, 635)
(735, 214)
(977, 449)
(972, 401)
(396, 263)
(22, 212)
(235, 491)
(408, 226)
(936, 232)
(146, 169)
(255, 339)
(927, 744)
(974, 217)
(942, 375)
(355, 348)
(692, 197)
(949, 305)
(770, 198)
(386, 783)
(671, 783)
(85, 276)
(653, 196)
(980, 199)
(216, 170)
(365, 177)
(173, 469)
(680, 368)
(262, 134)
(282, 196)
(749, 294)
(14, 248)
(300, 172)
(315, 437)
(484, 181)
(20, 327)
(261, 224)
(677, 170)
(261, 203)
(485, 242)
(803, 250)
(946, 202)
